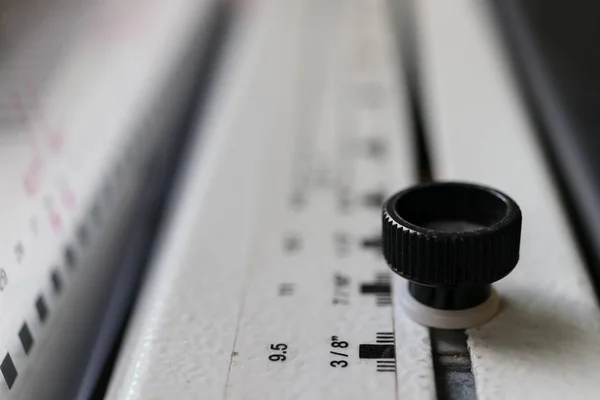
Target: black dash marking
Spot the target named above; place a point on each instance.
(376, 288)
(374, 200)
(372, 243)
(286, 289)
(26, 338)
(56, 281)
(381, 288)
(9, 371)
(298, 201)
(70, 257)
(371, 351)
(375, 147)
(19, 252)
(42, 309)
(291, 243)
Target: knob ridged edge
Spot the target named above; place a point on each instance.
(461, 258)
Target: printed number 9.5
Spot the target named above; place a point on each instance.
(279, 347)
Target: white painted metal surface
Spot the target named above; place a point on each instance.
(269, 279)
(79, 85)
(545, 343)
(268, 282)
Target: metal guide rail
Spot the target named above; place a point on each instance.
(88, 93)
(269, 281)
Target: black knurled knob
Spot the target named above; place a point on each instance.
(451, 240)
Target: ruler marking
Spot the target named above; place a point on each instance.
(373, 351)
(382, 289)
(272, 318)
(376, 288)
(374, 200)
(9, 371)
(41, 308)
(47, 245)
(26, 338)
(372, 243)
(56, 280)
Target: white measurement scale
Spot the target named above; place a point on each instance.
(87, 93)
(269, 283)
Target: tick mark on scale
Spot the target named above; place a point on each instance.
(56, 281)
(70, 257)
(9, 371)
(291, 243)
(374, 200)
(42, 308)
(26, 338)
(375, 147)
(372, 243)
(286, 289)
(381, 288)
(19, 252)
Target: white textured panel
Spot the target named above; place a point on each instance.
(260, 287)
(181, 338)
(546, 341)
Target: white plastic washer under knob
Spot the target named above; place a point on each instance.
(449, 319)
